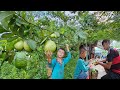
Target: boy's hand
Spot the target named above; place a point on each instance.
(48, 55)
(90, 66)
(67, 47)
(90, 60)
(96, 63)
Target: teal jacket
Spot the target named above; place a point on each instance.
(57, 68)
(81, 66)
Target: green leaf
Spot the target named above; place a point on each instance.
(21, 30)
(23, 14)
(52, 25)
(82, 34)
(5, 22)
(7, 35)
(12, 21)
(43, 41)
(2, 29)
(62, 30)
(5, 14)
(37, 28)
(75, 38)
(12, 38)
(32, 44)
(3, 42)
(15, 29)
(20, 21)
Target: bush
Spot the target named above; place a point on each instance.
(70, 67)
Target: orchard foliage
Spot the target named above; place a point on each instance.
(73, 28)
(37, 27)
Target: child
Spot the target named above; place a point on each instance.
(57, 64)
(92, 53)
(82, 69)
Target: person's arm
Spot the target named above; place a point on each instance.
(51, 63)
(106, 65)
(80, 66)
(103, 60)
(83, 66)
(77, 70)
(110, 57)
(66, 60)
(88, 62)
(48, 56)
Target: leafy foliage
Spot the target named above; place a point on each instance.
(36, 27)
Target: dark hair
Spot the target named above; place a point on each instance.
(105, 41)
(61, 49)
(81, 48)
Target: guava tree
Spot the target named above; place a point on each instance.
(35, 28)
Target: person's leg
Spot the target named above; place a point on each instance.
(107, 76)
(111, 75)
(87, 75)
(114, 75)
(106, 70)
(83, 75)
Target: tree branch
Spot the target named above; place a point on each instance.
(28, 22)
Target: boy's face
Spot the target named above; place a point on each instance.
(60, 53)
(83, 53)
(106, 46)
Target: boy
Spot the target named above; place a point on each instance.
(82, 69)
(57, 64)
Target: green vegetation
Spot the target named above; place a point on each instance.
(28, 32)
